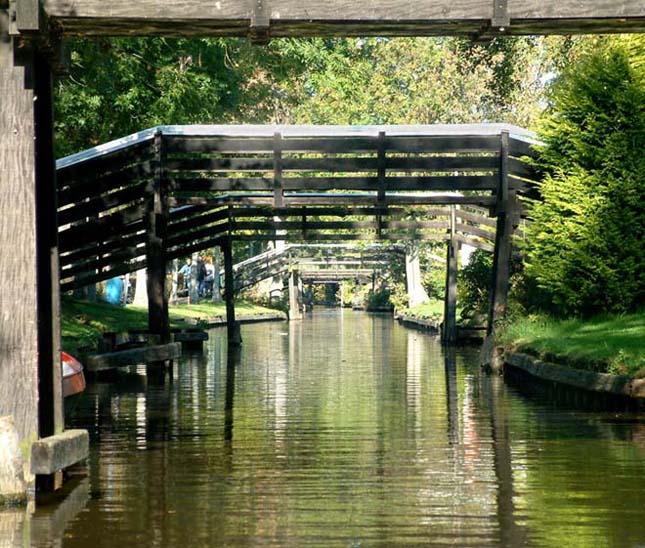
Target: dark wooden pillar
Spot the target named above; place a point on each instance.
(295, 312)
(449, 331)
(232, 327)
(505, 209)
(156, 223)
(30, 372)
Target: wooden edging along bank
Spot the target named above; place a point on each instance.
(620, 385)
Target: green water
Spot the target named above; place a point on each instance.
(346, 429)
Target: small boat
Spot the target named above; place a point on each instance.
(73, 377)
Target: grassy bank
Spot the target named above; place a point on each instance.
(83, 322)
(608, 344)
(429, 311)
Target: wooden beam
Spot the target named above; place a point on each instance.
(449, 330)
(502, 253)
(377, 17)
(29, 311)
(156, 228)
(232, 327)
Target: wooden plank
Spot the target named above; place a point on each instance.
(28, 16)
(135, 356)
(522, 169)
(104, 183)
(221, 184)
(184, 250)
(380, 17)
(60, 451)
(102, 276)
(448, 183)
(196, 234)
(343, 164)
(502, 253)
(102, 204)
(218, 144)
(102, 228)
(111, 162)
(220, 164)
(477, 244)
(442, 144)
(442, 163)
(198, 221)
(339, 225)
(475, 231)
(475, 218)
(349, 237)
(109, 245)
(103, 261)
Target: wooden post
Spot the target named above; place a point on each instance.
(232, 327)
(30, 372)
(278, 198)
(449, 332)
(156, 222)
(294, 304)
(502, 254)
(381, 173)
(217, 296)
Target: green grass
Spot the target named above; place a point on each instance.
(83, 322)
(431, 310)
(607, 344)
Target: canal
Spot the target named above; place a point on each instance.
(346, 429)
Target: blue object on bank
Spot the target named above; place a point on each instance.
(114, 290)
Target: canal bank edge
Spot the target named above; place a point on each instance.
(621, 385)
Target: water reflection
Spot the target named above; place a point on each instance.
(346, 429)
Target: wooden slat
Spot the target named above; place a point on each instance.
(218, 144)
(443, 163)
(103, 261)
(185, 250)
(198, 221)
(334, 17)
(338, 225)
(476, 218)
(475, 231)
(103, 183)
(348, 165)
(220, 164)
(314, 236)
(108, 163)
(110, 225)
(103, 247)
(519, 148)
(477, 244)
(102, 276)
(221, 184)
(521, 169)
(179, 239)
(453, 143)
(101, 204)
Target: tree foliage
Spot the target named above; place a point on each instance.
(118, 86)
(585, 245)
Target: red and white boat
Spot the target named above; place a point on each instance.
(73, 377)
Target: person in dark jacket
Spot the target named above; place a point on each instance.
(201, 276)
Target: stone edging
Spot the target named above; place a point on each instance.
(418, 323)
(587, 380)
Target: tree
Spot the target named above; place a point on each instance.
(585, 245)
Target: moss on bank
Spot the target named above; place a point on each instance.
(83, 322)
(605, 344)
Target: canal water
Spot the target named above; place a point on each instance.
(345, 429)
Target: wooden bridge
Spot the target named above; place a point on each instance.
(30, 36)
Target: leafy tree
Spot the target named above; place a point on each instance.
(585, 245)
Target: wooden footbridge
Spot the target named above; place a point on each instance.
(172, 192)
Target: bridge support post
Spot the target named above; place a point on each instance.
(295, 312)
(505, 209)
(416, 294)
(156, 223)
(449, 331)
(30, 371)
(232, 327)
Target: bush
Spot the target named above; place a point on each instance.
(585, 245)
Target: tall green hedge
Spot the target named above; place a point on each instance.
(585, 246)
